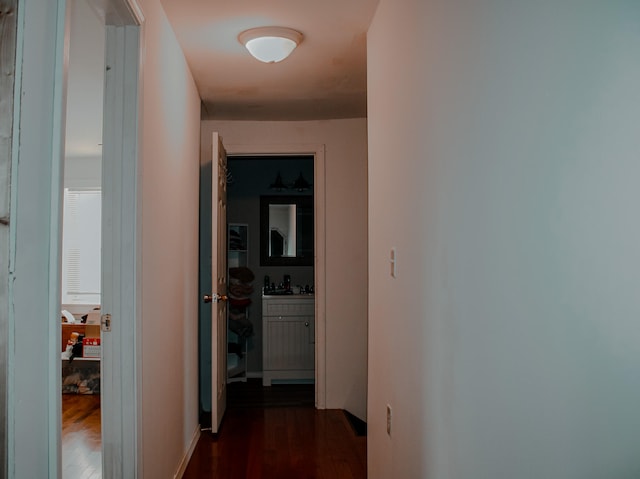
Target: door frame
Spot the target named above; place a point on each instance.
(34, 379)
(121, 278)
(33, 388)
(8, 33)
(319, 267)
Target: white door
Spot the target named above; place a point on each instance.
(218, 281)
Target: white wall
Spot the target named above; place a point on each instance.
(346, 242)
(169, 249)
(509, 345)
(85, 82)
(83, 172)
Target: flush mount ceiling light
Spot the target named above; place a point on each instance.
(270, 44)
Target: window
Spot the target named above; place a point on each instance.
(81, 236)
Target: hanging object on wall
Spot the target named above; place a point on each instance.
(278, 184)
(301, 184)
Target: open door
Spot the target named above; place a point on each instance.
(218, 277)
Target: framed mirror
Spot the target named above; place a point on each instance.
(286, 231)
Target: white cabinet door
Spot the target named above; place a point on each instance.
(290, 343)
(288, 339)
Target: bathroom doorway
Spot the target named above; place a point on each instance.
(250, 179)
(264, 171)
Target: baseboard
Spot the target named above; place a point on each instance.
(187, 457)
(358, 425)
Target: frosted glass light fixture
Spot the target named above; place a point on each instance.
(270, 44)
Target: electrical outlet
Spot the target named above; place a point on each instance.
(388, 420)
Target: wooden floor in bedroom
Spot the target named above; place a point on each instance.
(81, 440)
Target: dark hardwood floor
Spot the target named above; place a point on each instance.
(81, 441)
(267, 433)
(276, 432)
(252, 394)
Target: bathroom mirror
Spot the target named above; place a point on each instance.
(286, 231)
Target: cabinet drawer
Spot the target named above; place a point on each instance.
(289, 308)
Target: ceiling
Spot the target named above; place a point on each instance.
(325, 77)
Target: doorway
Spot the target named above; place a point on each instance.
(98, 274)
(81, 244)
(265, 195)
(317, 151)
(35, 236)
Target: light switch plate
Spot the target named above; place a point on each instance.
(393, 261)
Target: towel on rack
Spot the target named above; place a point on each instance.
(242, 273)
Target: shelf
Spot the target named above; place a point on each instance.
(81, 359)
(237, 256)
(236, 368)
(234, 371)
(237, 237)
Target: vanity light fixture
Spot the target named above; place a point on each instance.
(270, 44)
(278, 185)
(301, 184)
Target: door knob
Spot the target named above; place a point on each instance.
(214, 298)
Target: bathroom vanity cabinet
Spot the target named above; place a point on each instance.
(288, 338)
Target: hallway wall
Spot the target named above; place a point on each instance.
(508, 346)
(169, 175)
(346, 230)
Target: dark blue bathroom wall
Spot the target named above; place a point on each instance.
(252, 176)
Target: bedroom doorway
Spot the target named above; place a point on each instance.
(35, 248)
(98, 272)
(81, 244)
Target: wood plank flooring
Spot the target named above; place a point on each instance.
(267, 433)
(252, 394)
(282, 443)
(275, 432)
(81, 440)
